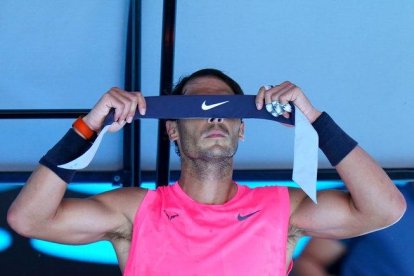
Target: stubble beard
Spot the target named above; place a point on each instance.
(212, 162)
(208, 158)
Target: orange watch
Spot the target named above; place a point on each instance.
(83, 128)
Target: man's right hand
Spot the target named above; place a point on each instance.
(125, 104)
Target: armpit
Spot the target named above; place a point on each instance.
(121, 235)
(294, 233)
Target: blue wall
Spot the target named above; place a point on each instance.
(354, 59)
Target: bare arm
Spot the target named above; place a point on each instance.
(318, 256)
(373, 201)
(40, 210)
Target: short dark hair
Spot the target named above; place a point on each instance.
(207, 72)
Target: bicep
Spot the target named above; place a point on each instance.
(80, 221)
(334, 216)
(95, 218)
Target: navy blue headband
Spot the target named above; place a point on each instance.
(205, 106)
(232, 106)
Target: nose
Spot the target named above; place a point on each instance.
(215, 120)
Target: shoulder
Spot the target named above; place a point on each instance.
(274, 197)
(294, 196)
(297, 196)
(123, 200)
(271, 192)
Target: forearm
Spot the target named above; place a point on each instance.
(373, 194)
(374, 198)
(38, 201)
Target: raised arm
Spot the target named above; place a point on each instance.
(373, 201)
(40, 211)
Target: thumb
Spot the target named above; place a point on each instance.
(115, 126)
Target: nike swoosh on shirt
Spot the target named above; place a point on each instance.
(205, 106)
(241, 218)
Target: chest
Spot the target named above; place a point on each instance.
(247, 240)
(246, 236)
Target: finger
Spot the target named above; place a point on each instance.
(274, 113)
(272, 94)
(123, 104)
(116, 126)
(133, 102)
(286, 115)
(142, 104)
(288, 93)
(268, 99)
(260, 98)
(131, 112)
(137, 100)
(118, 105)
(268, 95)
(276, 91)
(283, 95)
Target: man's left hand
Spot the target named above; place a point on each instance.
(286, 93)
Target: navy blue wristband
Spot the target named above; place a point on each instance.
(71, 146)
(333, 141)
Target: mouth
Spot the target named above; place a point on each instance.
(216, 134)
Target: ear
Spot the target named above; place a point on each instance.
(172, 131)
(241, 131)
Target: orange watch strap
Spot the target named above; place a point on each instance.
(83, 128)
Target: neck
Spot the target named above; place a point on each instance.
(208, 181)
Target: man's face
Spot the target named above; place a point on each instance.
(207, 138)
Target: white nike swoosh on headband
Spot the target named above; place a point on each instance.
(204, 106)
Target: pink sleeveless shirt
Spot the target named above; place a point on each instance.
(174, 235)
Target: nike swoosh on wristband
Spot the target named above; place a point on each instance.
(241, 218)
(204, 106)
